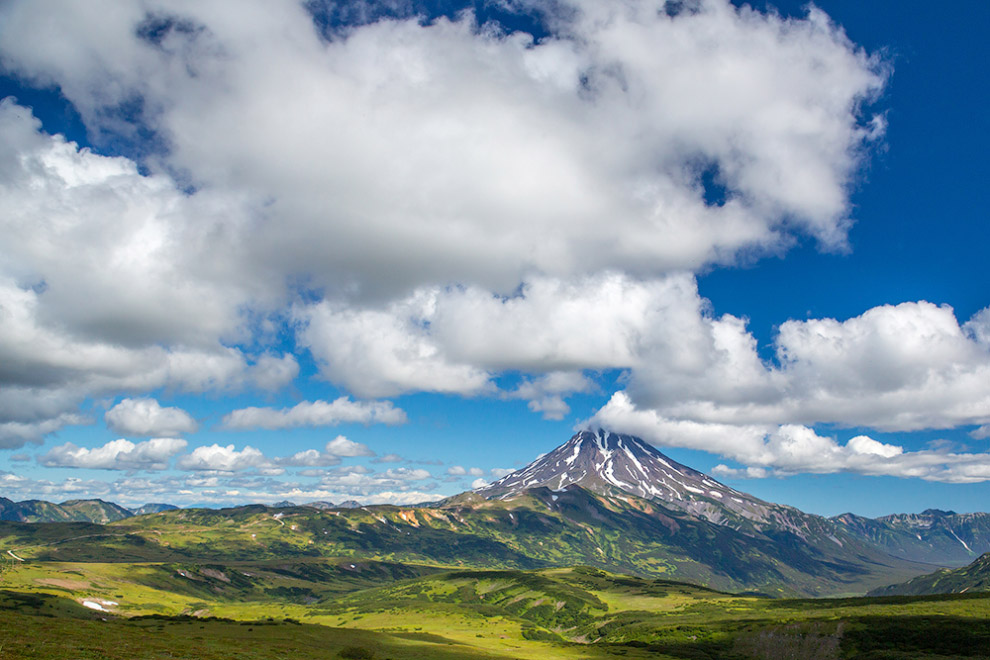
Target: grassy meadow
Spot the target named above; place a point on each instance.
(249, 584)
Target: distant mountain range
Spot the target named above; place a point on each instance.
(938, 537)
(319, 504)
(601, 499)
(152, 508)
(103, 512)
(968, 579)
(97, 511)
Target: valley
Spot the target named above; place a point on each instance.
(627, 554)
(330, 608)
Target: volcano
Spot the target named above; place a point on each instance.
(608, 463)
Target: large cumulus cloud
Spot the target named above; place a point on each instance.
(425, 205)
(447, 153)
(110, 281)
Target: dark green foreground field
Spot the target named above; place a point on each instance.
(41, 626)
(561, 613)
(249, 583)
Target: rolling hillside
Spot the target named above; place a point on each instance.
(968, 579)
(537, 529)
(319, 609)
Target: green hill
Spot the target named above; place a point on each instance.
(539, 529)
(968, 579)
(96, 511)
(255, 582)
(33, 511)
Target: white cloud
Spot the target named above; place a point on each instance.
(341, 446)
(498, 473)
(220, 459)
(722, 470)
(384, 352)
(197, 489)
(482, 204)
(362, 483)
(551, 407)
(911, 363)
(456, 155)
(145, 417)
(272, 372)
(611, 119)
(546, 393)
(862, 444)
(397, 497)
(9, 479)
(18, 487)
(17, 434)
(407, 474)
(789, 449)
(978, 328)
(461, 471)
(316, 413)
(402, 498)
(112, 281)
(350, 469)
(309, 458)
(681, 358)
(453, 339)
(734, 441)
(478, 483)
(894, 368)
(153, 454)
(903, 367)
(216, 458)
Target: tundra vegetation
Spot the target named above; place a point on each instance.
(255, 582)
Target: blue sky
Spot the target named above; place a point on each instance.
(342, 252)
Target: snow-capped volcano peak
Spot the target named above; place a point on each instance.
(603, 462)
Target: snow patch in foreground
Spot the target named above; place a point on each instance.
(99, 606)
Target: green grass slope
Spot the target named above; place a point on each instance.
(254, 611)
(50, 627)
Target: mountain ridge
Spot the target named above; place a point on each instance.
(936, 536)
(536, 529)
(600, 499)
(102, 511)
(969, 579)
(94, 510)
